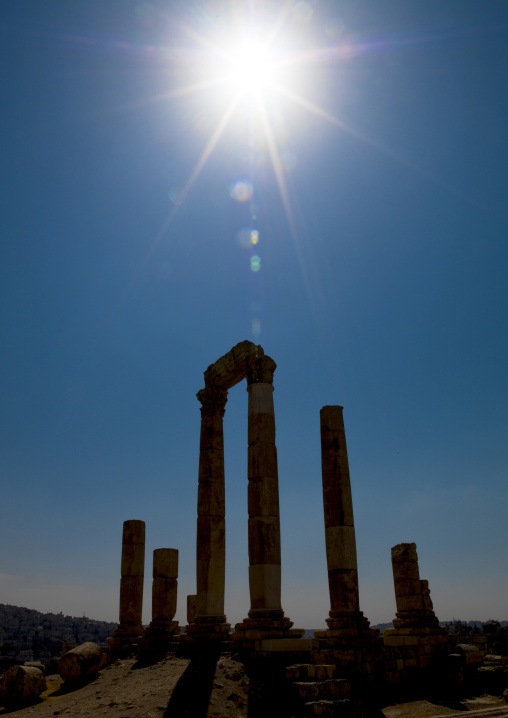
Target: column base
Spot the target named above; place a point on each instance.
(125, 639)
(342, 624)
(353, 646)
(208, 628)
(414, 623)
(261, 624)
(160, 637)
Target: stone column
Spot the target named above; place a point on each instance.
(162, 628)
(131, 586)
(345, 615)
(211, 527)
(338, 509)
(263, 493)
(266, 617)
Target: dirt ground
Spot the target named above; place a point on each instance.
(488, 706)
(178, 688)
(173, 687)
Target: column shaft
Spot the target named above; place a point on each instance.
(263, 493)
(338, 511)
(133, 569)
(165, 584)
(211, 524)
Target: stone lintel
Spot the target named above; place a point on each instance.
(231, 368)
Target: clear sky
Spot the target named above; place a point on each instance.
(161, 202)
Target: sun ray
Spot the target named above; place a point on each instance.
(286, 202)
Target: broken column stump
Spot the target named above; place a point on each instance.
(162, 631)
(130, 628)
(416, 644)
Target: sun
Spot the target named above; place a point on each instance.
(254, 68)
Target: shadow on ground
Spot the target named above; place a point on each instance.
(191, 695)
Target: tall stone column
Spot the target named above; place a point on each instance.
(263, 493)
(210, 620)
(345, 614)
(162, 628)
(131, 586)
(338, 510)
(266, 617)
(348, 634)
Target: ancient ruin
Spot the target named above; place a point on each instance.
(344, 668)
(131, 587)
(162, 628)
(265, 618)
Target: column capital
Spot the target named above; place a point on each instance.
(213, 400)
(260, 370)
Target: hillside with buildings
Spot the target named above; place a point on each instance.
(26, 634)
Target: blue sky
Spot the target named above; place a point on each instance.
(377, 187)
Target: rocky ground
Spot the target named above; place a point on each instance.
(486, 706)
(177, 687)
(173, 687)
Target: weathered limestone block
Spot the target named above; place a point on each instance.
(406, 571)
(407, 588)
(133, 532)
(164, 596)
(263, 497)
(403, 552)
(211, 468)
(261, 416)
(262, 461)
(211, 498)
(165, 562)
(230, 368)
(471, 656)
(80, 663)
(265, 586)
(264, 540)
(338, 509)
(210, 582)
(341, 547)
(131, 599)
(21, 684)
(428, 606)
(211, 542)
(343, 590)
(211, 433)
(411, 604)
(36, 664)
(133, 548)
(165, 584)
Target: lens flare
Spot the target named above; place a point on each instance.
(255, 263)
(241, 190)
(247, 237)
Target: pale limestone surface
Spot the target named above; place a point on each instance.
(21, 684)
(76, 665)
